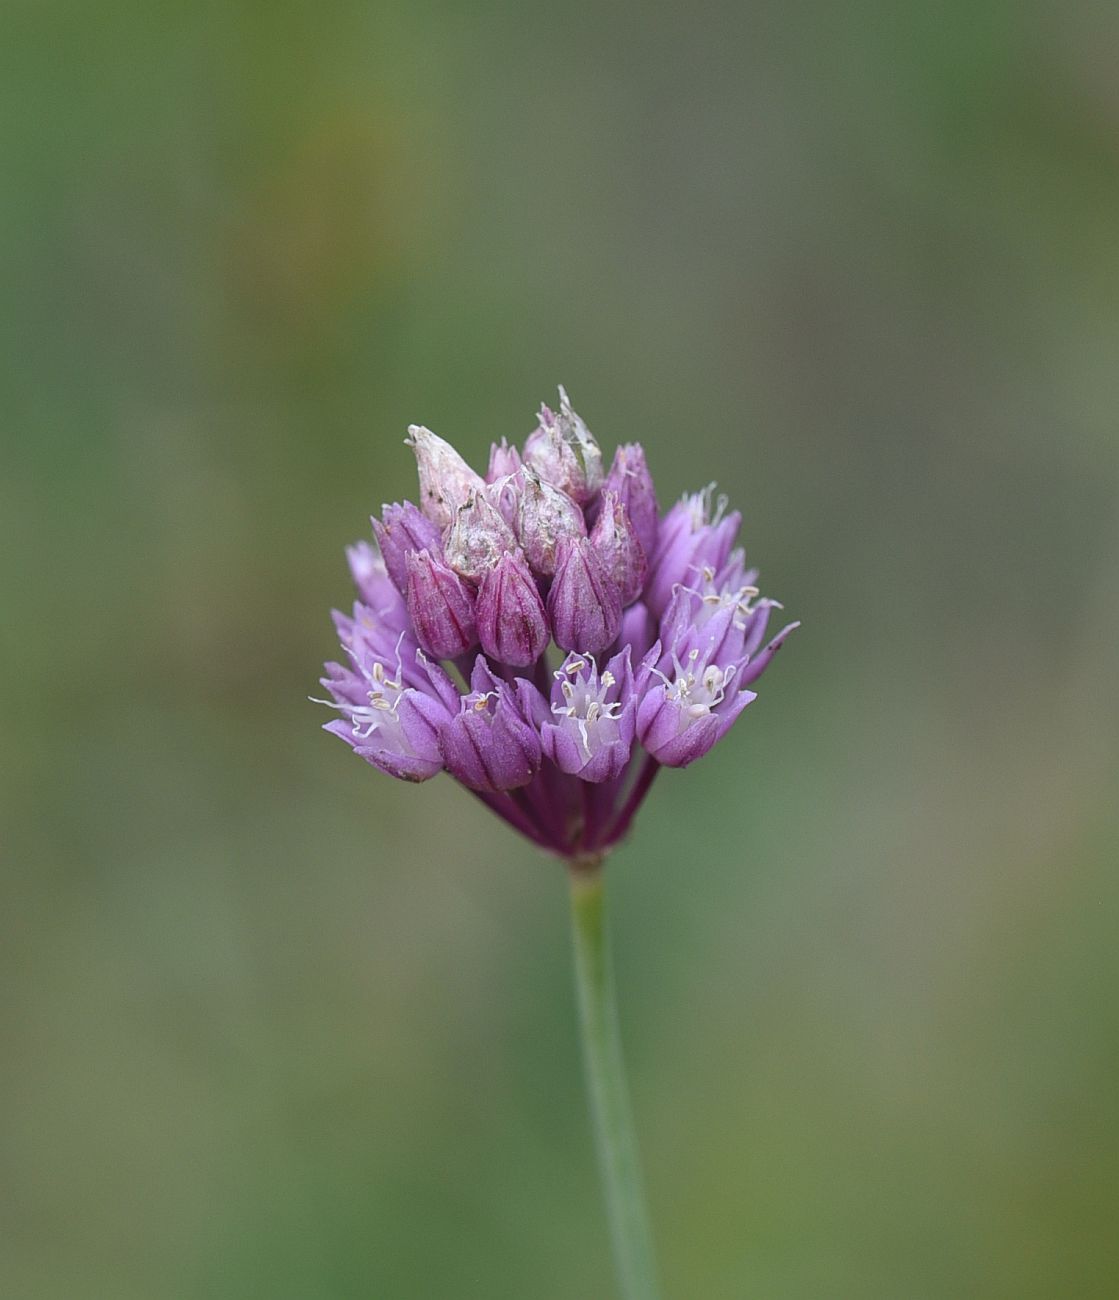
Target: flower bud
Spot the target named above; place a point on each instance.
(374, 585)
(504, 460)
(584, 604)
(616, 545)
(545, 518)
(505, 493)
(403, 528)
(563, 451)
(512, 625)
(629, 477)
(478, 538)
(489, 746)
(446, 480)
(441, 606)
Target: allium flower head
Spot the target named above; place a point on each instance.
(544, 635)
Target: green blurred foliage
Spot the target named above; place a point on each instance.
(276, 1026)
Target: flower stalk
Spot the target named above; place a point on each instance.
(607, 1093)
(550, 640)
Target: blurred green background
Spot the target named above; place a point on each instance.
(276, 1026)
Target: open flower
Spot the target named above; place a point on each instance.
(663, 625)
(591, 732)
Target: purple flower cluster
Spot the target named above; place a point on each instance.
(658, 629)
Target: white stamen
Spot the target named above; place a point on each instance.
(584, 692)
(696, 693)
(380, 714)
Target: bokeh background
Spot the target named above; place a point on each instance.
(275, 1026)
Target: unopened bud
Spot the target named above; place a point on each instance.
(583, 604)
(512, 625)
(489, 746)
(441, 606)
(629, 477)
(504, 460)
(403, 528)
(374, 586)
(616, 545)
(504, 494)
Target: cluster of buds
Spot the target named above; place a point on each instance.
(544, 635)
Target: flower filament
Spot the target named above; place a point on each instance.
(585, 702)
(696, 690)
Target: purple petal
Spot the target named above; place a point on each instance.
(756, 666)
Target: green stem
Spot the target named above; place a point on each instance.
(606, 1086)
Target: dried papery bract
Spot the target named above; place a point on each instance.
(546, 518)
(564, 452)
(446, 480)
(477, 538)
